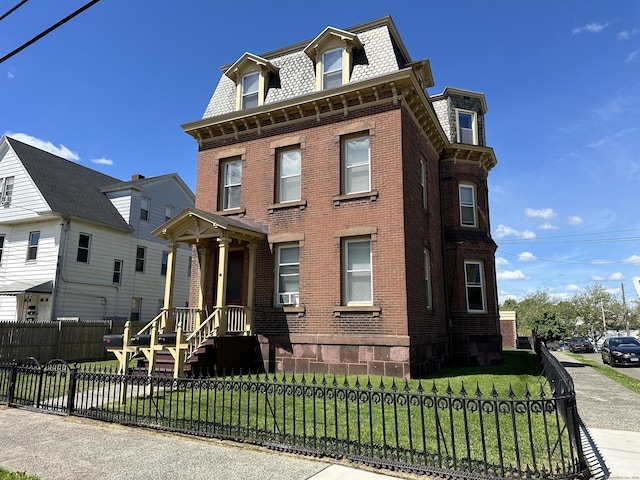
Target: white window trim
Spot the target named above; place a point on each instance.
(342, 67)
(143, 258)
(481, 285)
(88, 248)
(474, 125)
(345, 272)
(226, 186)
(292, 297)
(169, 212)
(472, 205)
(282, 177)
(345, 140)
(119, 272)
(244, 94)
(148, 209)
(31, 245)
(6, 190)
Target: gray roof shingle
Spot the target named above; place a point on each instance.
(70, 189)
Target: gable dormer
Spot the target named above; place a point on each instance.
(251, 76)
(332, 54)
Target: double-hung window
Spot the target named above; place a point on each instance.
(423, 182)
(357, 177)
(141, 253)
(32, 248)
(168, 213)
(117, 272)
(467, 127)
(232, 183)
(427, 278)
(332, 68)
(467, 194)
(6, 190)
(136, 308)
(474, 280)
(84, 244)
(358, 281)
(250, 88)
(145, 206)
(288, 275)
(289, 174)
(1, 247)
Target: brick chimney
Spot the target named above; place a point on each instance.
(136, 176)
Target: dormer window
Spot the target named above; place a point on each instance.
(332, 53)
(332, 69)
(250, 90)
(251, 76)
(467, 127)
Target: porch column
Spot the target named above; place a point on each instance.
(221, 294)
(168, 324)
(202, 255)
(251, 286)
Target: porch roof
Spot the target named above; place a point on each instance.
(36, 286)
(192, 224)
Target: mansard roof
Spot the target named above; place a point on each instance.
(245, 62)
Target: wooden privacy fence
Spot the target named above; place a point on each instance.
(71, 340)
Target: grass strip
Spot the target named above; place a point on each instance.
(7, 475)
(624, 380)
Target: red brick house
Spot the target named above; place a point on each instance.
(342, 214)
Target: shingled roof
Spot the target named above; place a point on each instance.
(70, 189)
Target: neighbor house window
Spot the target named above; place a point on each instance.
(145, 207)
(1, 247)
(168, 213)
(356, 164)
(289, 175)
(250, 88)
(32, 249)
(358, 284)
(164, 263)
(467, 127)
(117, 271)
(288, 275)
(427, 278)
(474, 279)
(423, 182)
(189, 266)
(6, 190)
(332, 68)
(232, 178)
(84, 243)
(467, 205)
(141, 253)
(136, 308)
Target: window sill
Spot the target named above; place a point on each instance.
(301, 204)
(373, 310)
(371, 195)
(233, 211)
(299, 309)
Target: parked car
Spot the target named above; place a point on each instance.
(580, 345)
(621, 351)
(563, 346)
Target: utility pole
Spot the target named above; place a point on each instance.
(604, 321)
(624, 309)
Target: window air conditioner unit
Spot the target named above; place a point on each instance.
(4, 200)
(288, 298)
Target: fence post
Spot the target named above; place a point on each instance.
(73, 372)
(13, 376)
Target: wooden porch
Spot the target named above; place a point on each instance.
(184, 333)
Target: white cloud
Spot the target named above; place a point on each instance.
(632, 56)
(597, 278)
(547, 226)
(633, 260)
(575, 220)
(617, 276)
(626, 34)
(45, 145)
(501, 261)
(621, 133)
(592, 27)
(545, 213)
(102, 161)
(526, 257)
(504, 231)
(573, 288)
(11, 73)
(511, 275)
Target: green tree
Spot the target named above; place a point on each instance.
(591, 305)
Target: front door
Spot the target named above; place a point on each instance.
(234, 277)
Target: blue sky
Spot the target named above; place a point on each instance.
(111, 88)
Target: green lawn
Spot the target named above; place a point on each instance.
(613, 373)
(6, 475)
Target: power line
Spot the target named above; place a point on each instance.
(13, 9)
(49, 30)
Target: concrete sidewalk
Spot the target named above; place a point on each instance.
(610, 414)
(70, 448)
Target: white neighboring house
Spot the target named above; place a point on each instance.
(75, 243)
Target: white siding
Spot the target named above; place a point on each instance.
(122, 201)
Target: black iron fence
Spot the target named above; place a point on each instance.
(395, 424)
